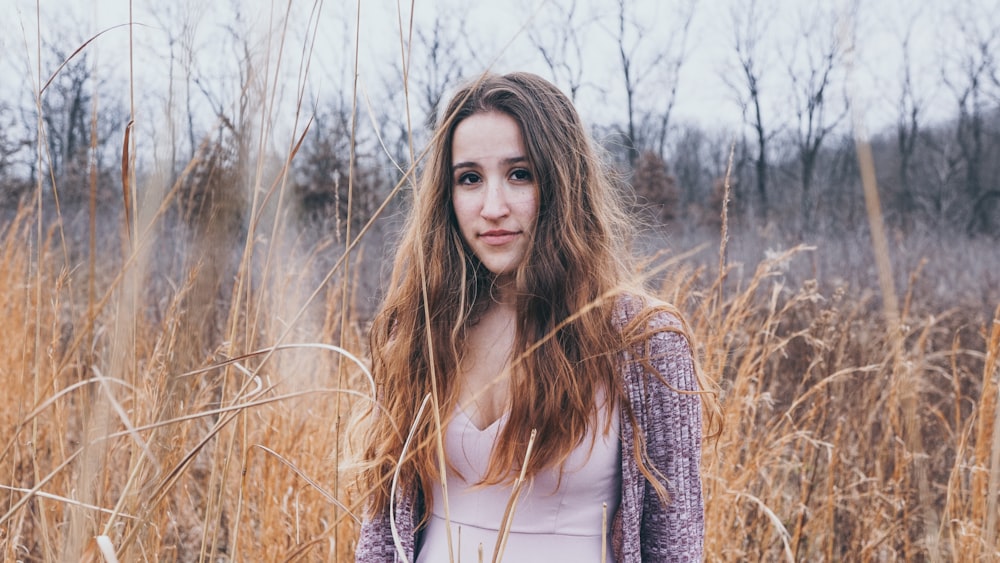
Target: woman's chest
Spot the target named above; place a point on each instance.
(574, 498)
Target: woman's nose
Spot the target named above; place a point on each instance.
(495, 201)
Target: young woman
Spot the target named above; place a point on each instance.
(513, 339)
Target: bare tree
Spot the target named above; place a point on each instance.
(974, 69)
(7, 143)
(643, 57)
(702, 160)
(12, 188)
(180, 22)
(656, 188)
(813, 66)
(750, 27)
(439, 50)
(432, 59)
(67, 105)
(910, 107)
(322, 169)
(66, 112)
(558, 39)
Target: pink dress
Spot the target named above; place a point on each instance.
(552, 522)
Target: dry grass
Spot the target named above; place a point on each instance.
(147, 412)
(816, 463)
(117, 424)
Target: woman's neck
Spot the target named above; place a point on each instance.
(484, 370)
(503, 292)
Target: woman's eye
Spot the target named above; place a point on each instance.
(521, 175)
(469, 178)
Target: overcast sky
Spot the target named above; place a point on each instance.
(498, 31)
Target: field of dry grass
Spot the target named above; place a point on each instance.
(180, 394)
(148, 414)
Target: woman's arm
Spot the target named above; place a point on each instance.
(675, 531)
(375, 542)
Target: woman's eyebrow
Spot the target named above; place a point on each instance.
(506, 162)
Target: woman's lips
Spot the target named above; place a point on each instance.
(497, 237)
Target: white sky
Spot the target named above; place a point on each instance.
(703, 97)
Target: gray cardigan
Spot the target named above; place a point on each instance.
(644, 529)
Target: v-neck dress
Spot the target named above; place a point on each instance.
(554, 520)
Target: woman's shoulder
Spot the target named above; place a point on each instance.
(656, 338)
(648, 312)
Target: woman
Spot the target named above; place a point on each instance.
(512, 320)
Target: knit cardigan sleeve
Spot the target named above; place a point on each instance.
(659, 377)
(375, 541)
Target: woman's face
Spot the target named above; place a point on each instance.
(494, 192)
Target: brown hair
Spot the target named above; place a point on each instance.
(566, 349)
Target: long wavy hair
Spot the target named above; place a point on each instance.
(566, 348)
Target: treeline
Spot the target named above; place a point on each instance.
(794, 157)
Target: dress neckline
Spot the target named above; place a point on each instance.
(492, 427)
